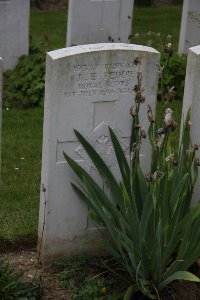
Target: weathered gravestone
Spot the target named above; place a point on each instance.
(87, 88)
(99, 21)
(14, 31)
(192, 100)
(190, 25)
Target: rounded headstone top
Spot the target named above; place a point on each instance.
(195, 49)
(64, 52)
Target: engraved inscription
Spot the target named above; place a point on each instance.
(102, 79)
(99, 138)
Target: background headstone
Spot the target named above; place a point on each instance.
(14, 31)
(87, 88)
(190, 25)
(192, 100)
(99, 21)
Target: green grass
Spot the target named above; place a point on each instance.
(22, 130)
(163, 20)
(21, 161)
(147, 22)
(52, 24)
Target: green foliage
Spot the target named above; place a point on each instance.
(143, 2)
(175, 64)
(37, 3)
(20, 171)
(12, 287)
(24, 86)
(87, 279)
(174, 73)
(154, 231)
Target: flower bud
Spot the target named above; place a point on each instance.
(137, 61)
(150, 114)
(168, 49)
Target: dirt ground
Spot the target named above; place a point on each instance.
(25, 261)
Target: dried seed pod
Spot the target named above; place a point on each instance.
(136, 88)
(173, 125)
(150, 114)
(197, 162)
(137, 126)
(188, 125)
(168, 117)
(137, 61)
(142, 98)
(171, 158)
(160, 69)
(169, 95)
(133, 111)
(149, 177)
(168, 49)
(162, 131)
(142, 132)
(195, 147)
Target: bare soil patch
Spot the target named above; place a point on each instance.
(25, 260)
(27, 263)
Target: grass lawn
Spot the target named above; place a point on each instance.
(151, 26)
(52, 24)
(146, 22)
(21, 161)
(22, 129)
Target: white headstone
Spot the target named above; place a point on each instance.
(87, 88)
(190, 25)
(14, 31)
(192, 100)
(99, 21)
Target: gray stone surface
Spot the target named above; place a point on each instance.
(190, 25)
(87, 88)
(14, 31)
(99, 21)
(192, 100)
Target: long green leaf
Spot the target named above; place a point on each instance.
(101, 167)
(129, 293)
(179, 275)
(122, 160)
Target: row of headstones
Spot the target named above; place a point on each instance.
(102, 21)
(89, 22)
(88, 88)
